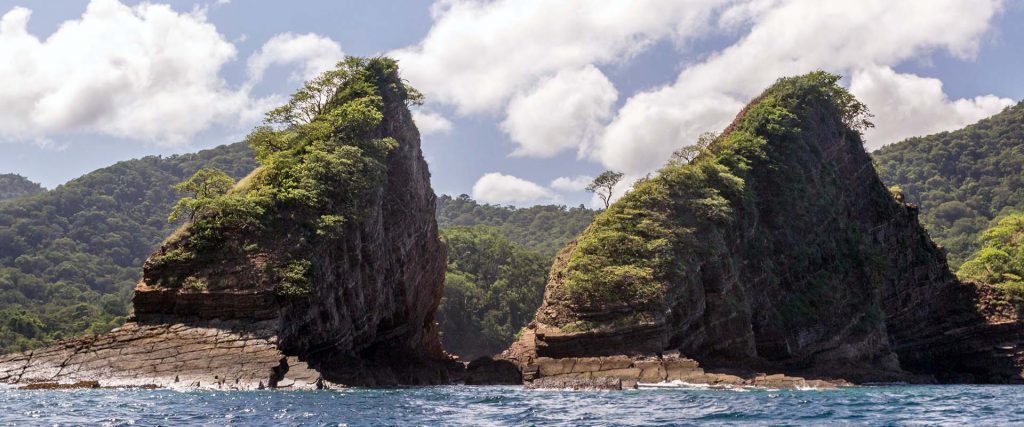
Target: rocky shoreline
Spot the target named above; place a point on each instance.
(214, 355)
(233, 356)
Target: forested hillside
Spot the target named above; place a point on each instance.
(498, 261)
(13, 186)
(962, 180)
(492, 288)
(70, 257)
(542, 228)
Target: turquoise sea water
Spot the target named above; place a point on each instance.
(482, 406)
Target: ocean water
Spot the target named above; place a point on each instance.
(483, 406)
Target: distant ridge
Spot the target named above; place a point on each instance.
(961, 180)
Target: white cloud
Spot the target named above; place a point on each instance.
(793, 37)
(571, 183)
(431, 123)
(311, 53)
(527, 59)
(479, 54)
(907, 105)
(499, 188)
(562, 112)
(143, 72)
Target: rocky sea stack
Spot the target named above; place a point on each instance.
(776, 249)
(323, 266)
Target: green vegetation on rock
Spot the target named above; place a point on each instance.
(624, 263)
(492, 289)
(963, 179)
(203, 187)
(319, 163)
(1000, 261)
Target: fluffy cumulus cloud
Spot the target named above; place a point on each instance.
(507, 189)
(907, 105)
(571, 183)
(117, 70)
(793, 37)
(478, 54)
(562, 112)
(311, 54)
(144, 72)
(431, 123)
(536, 63)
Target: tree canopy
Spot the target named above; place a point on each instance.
(645, 245)
(204, 186)
(492, 289)
(542, 228)
(321, 160)
(69, 257)
(1000, 260)
(961, 180)
(13, 186)
(604, 184)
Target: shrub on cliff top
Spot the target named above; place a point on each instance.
(319, 163)
(634, 249)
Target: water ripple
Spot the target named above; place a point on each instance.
(487, 406)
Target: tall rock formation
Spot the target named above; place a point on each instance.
(777, 249)
(323, 266)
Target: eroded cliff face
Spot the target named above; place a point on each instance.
(776, 250)
(335, 278)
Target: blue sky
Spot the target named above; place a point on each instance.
(526, 98)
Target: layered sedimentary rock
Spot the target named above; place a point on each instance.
(776, 249)
(323, 267)
(165, 355)
(629, 371)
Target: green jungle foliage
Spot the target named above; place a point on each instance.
(70, 257)
(963, 179)
(492, 289)
(543, 228)
(320, 162)
(626, 259)
(13, 186)
(205, 185)
(1000, 261)
(498, 261)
